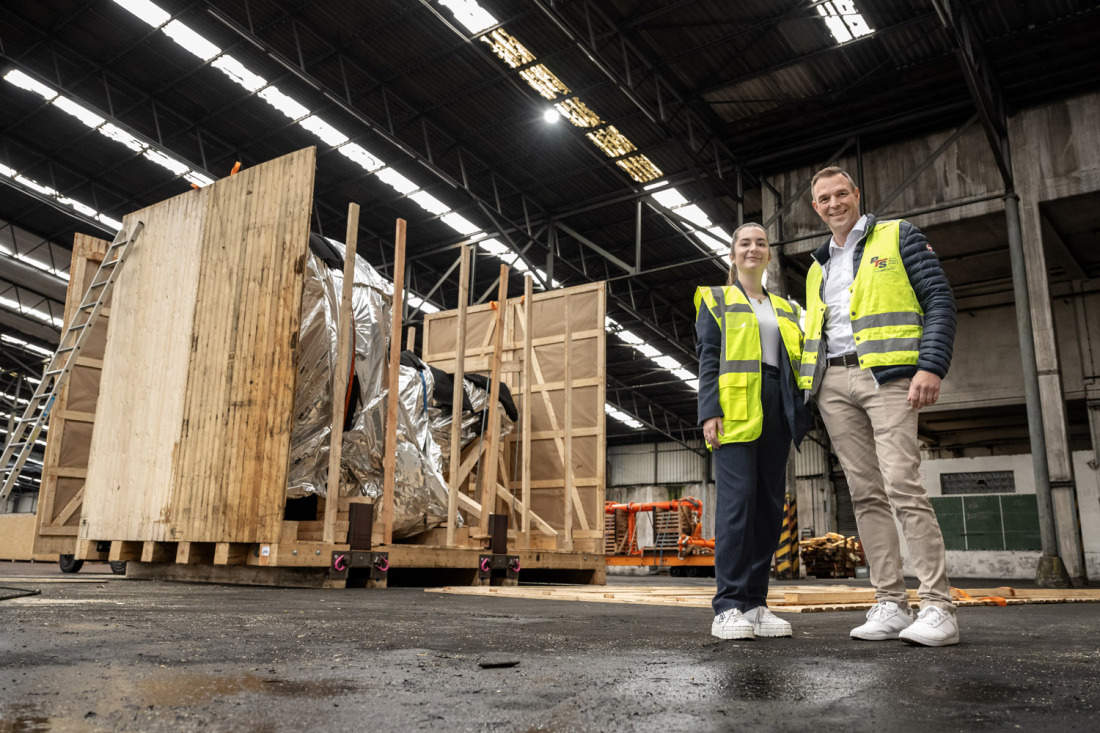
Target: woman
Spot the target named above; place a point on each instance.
(749, 345)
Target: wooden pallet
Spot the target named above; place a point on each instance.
(784, 599)
(308, 564)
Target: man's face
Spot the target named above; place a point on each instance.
(836, 201)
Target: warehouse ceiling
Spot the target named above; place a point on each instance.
(579, 141)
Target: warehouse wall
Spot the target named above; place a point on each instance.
(1012, 563)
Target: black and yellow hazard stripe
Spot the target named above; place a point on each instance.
(786, 555)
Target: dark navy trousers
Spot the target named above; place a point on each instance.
(750, 479)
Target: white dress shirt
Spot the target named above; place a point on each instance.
(839, 273)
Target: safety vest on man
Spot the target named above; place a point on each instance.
(887, 320)
(739, 377)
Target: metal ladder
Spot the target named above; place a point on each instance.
(28, 427)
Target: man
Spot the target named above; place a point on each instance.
(880, 326)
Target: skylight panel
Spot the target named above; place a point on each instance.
(843, 20)
(117, 134)
(670, 198)
(147, 11)
(85, 115)
(622, 417)
(326, 132)
(166, 161)
(236, 71)
(191, 41)
(112, 223)
(429, 203)
(21, 80)
(470, 15)
(78, 206)
(36, 185)
(460, 224)
(283, 103)
(26, 345)
(198, 179)
(396, 181)
(358, 154)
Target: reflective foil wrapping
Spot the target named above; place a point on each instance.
(441, 421)
(420, 492)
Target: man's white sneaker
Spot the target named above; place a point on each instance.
(765, 623)
(732, 624)
(933, 627)
(885, 620)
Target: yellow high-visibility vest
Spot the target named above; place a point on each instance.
(887, 320)
(739, 377)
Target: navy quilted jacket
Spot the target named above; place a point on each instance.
(933, 293)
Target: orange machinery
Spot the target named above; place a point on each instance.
(678, 543)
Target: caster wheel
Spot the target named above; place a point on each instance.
(118, 567)
(69, 564)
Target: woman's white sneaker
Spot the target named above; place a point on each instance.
(767, 624)
(933, 627)
(885, 620)
(732, 624)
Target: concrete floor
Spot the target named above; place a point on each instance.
(119, 655)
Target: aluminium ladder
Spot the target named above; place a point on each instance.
(28, 427)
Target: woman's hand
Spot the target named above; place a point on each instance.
(712, 428)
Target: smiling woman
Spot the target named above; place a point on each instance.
(749, 345)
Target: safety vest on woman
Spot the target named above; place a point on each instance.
(739, 378)
(887, 320)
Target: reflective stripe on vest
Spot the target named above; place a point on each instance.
(887, 320)
(739, 369)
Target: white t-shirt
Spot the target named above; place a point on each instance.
(770, 340)
(839, 273)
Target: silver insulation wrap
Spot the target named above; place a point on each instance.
(421, 493)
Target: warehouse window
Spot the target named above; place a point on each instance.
(997, 522)
(978, 482)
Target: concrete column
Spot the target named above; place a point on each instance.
(1027, 172)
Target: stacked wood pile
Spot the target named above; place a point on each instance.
(832, 556)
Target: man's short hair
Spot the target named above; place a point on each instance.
(829, 172)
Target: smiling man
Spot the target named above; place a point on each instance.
(880, 327)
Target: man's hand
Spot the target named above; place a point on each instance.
(924, 390)
(712, 428)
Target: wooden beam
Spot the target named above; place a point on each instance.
(458, 395)
(525, 425)
(393, 385)
(489, 480)
(340, 376)
(567, 458)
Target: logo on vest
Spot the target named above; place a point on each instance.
(883, 263)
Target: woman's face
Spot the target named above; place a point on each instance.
(750, 250)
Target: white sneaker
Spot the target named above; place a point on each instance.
(885, 620)
(933, 627)
(732, 624)
(767, 624)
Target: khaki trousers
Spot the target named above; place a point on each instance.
(874, 433)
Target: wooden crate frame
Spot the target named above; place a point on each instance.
(69, 438)
(562, 390)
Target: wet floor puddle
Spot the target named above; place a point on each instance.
(195, 689)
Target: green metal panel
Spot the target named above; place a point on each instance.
(949, 510)
(1021, 522)
(983, 523)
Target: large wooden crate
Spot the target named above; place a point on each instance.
(567, 385)
(184, 475)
